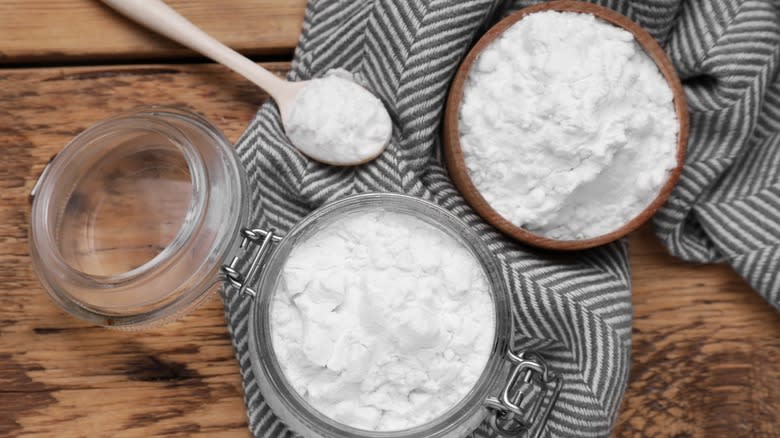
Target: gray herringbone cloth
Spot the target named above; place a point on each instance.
(574, 309)
(727, 205)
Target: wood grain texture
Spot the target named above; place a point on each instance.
(706, 360)
(53, 31)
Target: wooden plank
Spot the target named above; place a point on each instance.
(706, 351)
(706, 358)
(56, 31)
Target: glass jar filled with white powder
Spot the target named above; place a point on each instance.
(385, 315)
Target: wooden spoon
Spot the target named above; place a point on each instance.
(159, 17)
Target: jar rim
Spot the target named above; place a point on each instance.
(468, 413)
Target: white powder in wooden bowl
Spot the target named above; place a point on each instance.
(567, 126)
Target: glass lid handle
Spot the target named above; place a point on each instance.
(259, 241)
(518, 409)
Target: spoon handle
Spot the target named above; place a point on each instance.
(159, 17)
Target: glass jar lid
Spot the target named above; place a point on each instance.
(132, 220)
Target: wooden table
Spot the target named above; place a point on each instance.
(706, 360)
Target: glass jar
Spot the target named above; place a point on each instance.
(132, 225)
(501, 386)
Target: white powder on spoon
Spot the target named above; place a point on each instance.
(567, 126)
(381, 321)
(336, 121)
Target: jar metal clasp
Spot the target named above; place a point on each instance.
(259, 241)
(513, 412)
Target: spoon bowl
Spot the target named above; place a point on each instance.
(453, 152)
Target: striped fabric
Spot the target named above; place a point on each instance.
(727, 205)
(573, 309)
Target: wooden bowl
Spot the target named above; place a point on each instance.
(453, 153)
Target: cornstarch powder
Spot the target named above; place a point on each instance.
(381, 321)
(335, 120)
(567, 126)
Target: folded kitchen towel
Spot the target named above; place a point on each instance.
(572, 309)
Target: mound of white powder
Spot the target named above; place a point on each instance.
(335, 120)
(567, 126)
(381, 321)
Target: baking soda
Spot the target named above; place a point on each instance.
(567, 126)
(334, 120)
(381, 321)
